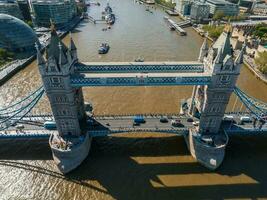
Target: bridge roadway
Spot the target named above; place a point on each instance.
(104, 126)
(139, 67)
(124, 124)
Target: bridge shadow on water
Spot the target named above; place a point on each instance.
(161, 168)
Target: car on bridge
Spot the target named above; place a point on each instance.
(245, 119)
(177, 123)
(139, 119)
(50, 125)
(228, 118)
(164, 119)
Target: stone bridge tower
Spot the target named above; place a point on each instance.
(66, 102)
(211, 100)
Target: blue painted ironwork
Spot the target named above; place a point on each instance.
(257, 107)
(13, 113)
(138, 81)
(139, 67)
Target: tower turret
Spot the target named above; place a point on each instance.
(66, 102)
(203, 50)
(73, 49)
(224, 75)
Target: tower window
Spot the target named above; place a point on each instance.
(55, 80)
(227, 67)
(53, 68)
(225, 78)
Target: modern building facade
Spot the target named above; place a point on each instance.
(183, 6)
(59, 11)
(15, 35)
(229, 9)
(25, 9)
(199, 12)
(260, 9)
(10, 8)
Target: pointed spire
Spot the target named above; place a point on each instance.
(40, 58)
(62, 58)
(72, 46)
(219, 57)
(203, 50)
(226, 48)
(53, 47)
(239, 58)
(205, 45)
(69, 58)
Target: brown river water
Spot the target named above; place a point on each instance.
(132, 166)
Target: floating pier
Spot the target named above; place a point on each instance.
(178, 29)
(172, 13)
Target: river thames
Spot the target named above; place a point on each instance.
(132, 166)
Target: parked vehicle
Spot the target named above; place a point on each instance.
(51, 125)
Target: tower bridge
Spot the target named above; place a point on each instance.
(214, 78)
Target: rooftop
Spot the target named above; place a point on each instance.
(219, 2)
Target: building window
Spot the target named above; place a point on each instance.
(224, 78)
(53, 68)
(55, 80)
(227, 67)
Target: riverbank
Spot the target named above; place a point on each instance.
(253, 68)
(9, 70)
(249, 63)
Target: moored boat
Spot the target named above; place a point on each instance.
(104, 48)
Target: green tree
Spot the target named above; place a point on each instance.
(261, 61)
(213, 31)
(5, 55)
(218, 15)
(260, 31)
(30, 23)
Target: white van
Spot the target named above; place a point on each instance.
(245, 119)
(228, 118)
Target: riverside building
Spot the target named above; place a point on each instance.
(16, 35)
(226, 7)
(199, 12)
(10, 8)
(59, 11)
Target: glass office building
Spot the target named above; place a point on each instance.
(59, 11)
(15, 35)
(226, 7)
(10, 8)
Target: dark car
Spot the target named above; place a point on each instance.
(190, 120)
(163, 120)
(136, 124)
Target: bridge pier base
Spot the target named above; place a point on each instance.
(69, 153)
(208, 150)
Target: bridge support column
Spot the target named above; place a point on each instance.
(71, 144)
(192, 103)
(207, 142)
